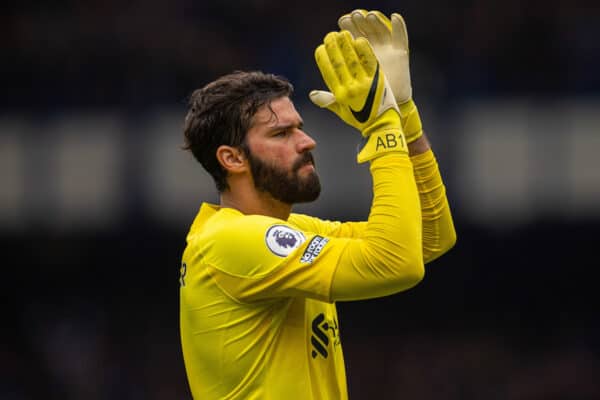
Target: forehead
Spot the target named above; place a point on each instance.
(279, 111)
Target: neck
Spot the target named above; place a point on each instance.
(253, 202)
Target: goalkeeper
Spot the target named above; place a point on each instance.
(259, 283)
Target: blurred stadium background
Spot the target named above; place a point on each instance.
(96, 195)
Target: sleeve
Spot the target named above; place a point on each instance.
(256, 258)
(275, 259)
(439, 234)
(349, 229)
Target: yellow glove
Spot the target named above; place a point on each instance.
(359, 93)
(389, 40)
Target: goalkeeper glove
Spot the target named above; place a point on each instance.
(360, 94)
(389, 40)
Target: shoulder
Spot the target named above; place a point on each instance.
(247, 245)
(256, 233)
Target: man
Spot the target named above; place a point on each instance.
(258, 282)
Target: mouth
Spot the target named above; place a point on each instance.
(309, 166)
(306, 161)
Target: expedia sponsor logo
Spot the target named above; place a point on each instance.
(313, 249)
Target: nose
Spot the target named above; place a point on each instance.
(305, 142)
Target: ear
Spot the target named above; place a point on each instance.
(232, 159)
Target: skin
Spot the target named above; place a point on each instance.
(276, 137)
(421, 145)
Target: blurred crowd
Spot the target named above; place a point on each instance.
(499, 317)
(96, 317)
(110, 53)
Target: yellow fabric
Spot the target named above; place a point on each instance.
(257, 318)
(439, 234)
(247, 317)
(411, 121)
(382, 261)
(381, 142)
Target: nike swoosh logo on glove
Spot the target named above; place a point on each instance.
(362, 115)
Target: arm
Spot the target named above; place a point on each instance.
(389, 254)
(349, 229)
(378, 262)
(388, 257)
(389, 38)
(438, 231)
(438, 227)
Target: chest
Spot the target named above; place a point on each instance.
(318, 323)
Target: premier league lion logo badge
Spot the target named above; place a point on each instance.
(282, 240)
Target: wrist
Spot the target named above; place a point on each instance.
(380, 143)
(419, 146)
(389, 120)
(411, 121)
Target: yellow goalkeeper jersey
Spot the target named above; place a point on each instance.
(256, 320)
(257, 312)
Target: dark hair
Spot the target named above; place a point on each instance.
(221, 113)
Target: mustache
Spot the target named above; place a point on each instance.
(305, 158)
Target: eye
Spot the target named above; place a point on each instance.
(281, 133)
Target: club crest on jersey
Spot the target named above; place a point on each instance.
(282, 240)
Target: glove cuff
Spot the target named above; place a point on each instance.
(380, 143)
(387, 119)
(411, 121)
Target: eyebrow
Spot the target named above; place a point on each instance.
(281, 127)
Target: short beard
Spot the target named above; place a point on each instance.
(285, 186)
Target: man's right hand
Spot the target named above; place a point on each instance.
(359, 93)
(389, 39)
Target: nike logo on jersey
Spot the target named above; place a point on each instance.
(363, 114)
